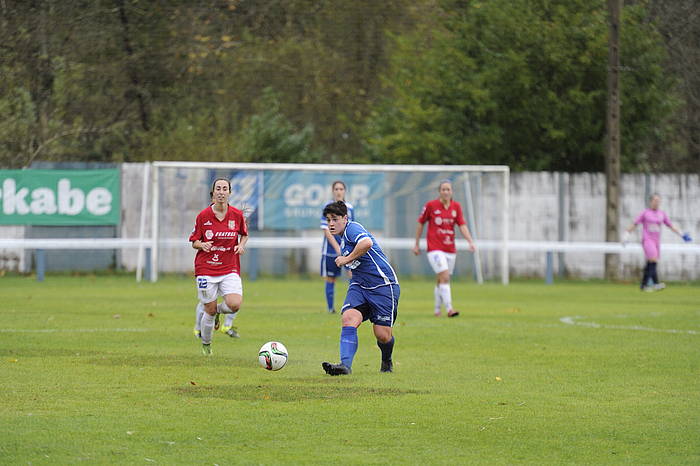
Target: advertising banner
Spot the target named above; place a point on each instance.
(60, 197)
(294, 200)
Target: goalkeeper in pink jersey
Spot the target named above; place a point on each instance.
(651, 219)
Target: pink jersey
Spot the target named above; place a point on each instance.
(441, 224)
(225, 234)
(651, 221)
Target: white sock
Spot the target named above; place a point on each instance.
(207, 328)
(198, 311)
(438, 299)
(446, 295)
(229, 319)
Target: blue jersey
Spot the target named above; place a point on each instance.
(372, 269)
(327, 249)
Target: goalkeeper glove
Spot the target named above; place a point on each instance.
(625, 238)
(686, 237)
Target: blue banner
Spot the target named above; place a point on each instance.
(294, 200)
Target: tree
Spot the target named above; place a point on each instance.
(516, 82)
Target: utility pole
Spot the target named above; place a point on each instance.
(612, 140)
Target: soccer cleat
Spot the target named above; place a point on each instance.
(331, 311)
(437, 313)
(216, 321)
(387, 366)
(336, 369)
(659, 286)
(648, 289)
(232, 332)
(224, 328)
(206, 349)
(197, 333)
(452, 313)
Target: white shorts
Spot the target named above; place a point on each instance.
(441, 261)
(209, 288)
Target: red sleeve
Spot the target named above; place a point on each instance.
(244, 226)
(424, 214)
(460, 216)
(197, 230)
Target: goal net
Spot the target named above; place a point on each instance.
(284, 203)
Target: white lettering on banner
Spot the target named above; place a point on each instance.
(316, 196)
(70, 201)
(13, 201)
(99, 201)
(63, 200)
(359, 193)
(43, 201)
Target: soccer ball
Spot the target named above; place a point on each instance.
(273, 356)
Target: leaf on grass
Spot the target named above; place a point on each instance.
(192, 382)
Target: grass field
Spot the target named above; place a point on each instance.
(106, 371)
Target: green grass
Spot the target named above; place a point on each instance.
(506, 382)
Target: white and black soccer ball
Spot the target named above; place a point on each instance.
(273, 356)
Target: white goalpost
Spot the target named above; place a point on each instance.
(297, 189)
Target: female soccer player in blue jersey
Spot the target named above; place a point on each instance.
(373, 292)
(331, 247)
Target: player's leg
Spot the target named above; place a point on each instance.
(198, 312)
(437, 298)
(232, 289)
(384, 309)
(445, 287)
(329, 270)
(651, 253)
(352, 317)
(439, 264)
(207, 290)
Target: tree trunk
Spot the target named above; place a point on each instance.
(612, 143)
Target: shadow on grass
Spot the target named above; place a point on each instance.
(289, 393)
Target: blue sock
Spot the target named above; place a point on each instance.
(387, 349)
(330, 287)
(348, 345)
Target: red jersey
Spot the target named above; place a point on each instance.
(441, 224)
(224, 234)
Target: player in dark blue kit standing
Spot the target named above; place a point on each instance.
(331, 247)
(373, 292)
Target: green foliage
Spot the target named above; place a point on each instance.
(270, 137)
(106, 371)
(521, 83)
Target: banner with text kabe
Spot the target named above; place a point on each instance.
(60, 197)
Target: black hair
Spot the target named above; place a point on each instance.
(211, 193)
(338, 181)
(336, 208)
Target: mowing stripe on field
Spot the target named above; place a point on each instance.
(70, 330)
(574, 321)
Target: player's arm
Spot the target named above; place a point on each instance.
(197, 233)
(419, 233)
(202, 245)
(360, 249)
(331, 240)
(468, 236)
(240, 247)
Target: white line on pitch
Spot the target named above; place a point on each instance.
(69, 330)
(573, 321)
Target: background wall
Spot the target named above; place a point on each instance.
(544, 207)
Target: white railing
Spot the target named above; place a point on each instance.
(549, 247)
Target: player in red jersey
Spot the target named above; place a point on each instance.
(442, 214)
(220, 235)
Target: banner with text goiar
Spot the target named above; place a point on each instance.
(60, 197)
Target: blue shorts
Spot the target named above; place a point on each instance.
(379, 305)
(328, 267)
